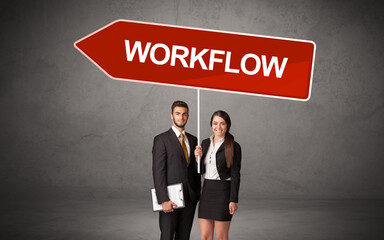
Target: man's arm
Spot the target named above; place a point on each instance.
(159, 169)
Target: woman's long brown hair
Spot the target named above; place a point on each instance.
(229, 139)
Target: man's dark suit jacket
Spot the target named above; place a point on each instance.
(221, 164)
(170, 167)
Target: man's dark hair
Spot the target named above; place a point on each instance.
(179, 104)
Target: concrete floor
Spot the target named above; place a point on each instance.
(98, 216)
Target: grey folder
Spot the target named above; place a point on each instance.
(175, 193)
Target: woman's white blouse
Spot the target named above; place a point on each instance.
(211, 172)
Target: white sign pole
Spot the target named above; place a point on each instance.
(198, 127)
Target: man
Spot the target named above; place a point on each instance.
(174, 162)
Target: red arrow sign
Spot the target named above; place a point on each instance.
(201, 58)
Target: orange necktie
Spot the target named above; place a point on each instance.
(183, 146)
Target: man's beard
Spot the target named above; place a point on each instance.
(179, 126)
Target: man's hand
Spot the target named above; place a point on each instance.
(168, 206)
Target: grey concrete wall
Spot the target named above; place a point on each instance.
(65, 124)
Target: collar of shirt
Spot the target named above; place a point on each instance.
(177, 132)
(221, 140)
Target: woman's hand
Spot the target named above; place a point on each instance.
(198, 152)
(232, 207)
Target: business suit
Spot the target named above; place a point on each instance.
(233, 172)
(170, 167)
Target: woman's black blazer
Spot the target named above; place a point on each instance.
(221, 164)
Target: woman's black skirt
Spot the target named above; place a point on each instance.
(214, 200)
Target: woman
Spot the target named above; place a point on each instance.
(221, 157)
